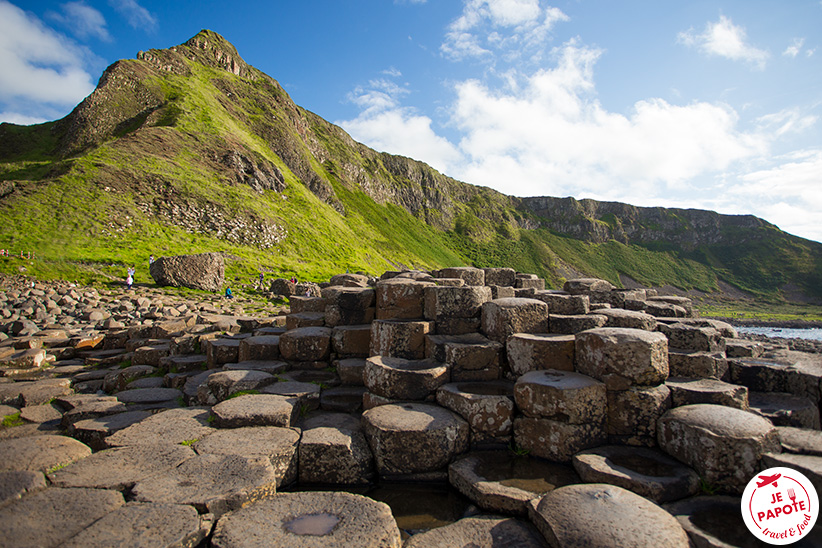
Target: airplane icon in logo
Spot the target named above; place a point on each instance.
(767, 480)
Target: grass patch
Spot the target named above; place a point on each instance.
(242, 393)
(12, 420)
(189, 443)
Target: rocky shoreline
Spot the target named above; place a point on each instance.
(152, 419)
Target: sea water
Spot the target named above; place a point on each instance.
(811, 334)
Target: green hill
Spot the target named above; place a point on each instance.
(190, 149)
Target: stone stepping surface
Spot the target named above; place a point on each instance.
(689, 391)
(173, 426)
(488, 407)
(342, 399)
(532, 351)
(785, 409)
(598, 514)
(272, 367)
(307, 393)
(40, 453)
(646, 472)
(16, 483)
(724, 445)
(211, 483)
(310, 520)
(21, 394)
(480, 532)
(149, 395)
(561, 395)
(52, 516)
(141, 525)
(800, 440)
(93, 432)
(277, 444)
(500, 481)
(120, 468)
(404, 379)
(333, 450)
(414, 438)
(810, 465)
(224, 383)
(255, 410)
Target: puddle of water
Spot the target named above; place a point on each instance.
(644, 465)
(312, 524)
(420, 507)
(486, 389)
(526, 473)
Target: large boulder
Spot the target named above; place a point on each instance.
(204, 271)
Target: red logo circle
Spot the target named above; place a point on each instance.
(780, 506)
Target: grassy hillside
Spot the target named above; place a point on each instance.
(190, 150)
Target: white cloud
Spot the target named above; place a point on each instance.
(20, 119)
(136, 15)
(82, 20)
(794, 49)
(512, 27)
(724, 39)
(785, 121)
(39, 65)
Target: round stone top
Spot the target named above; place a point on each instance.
(618, 335)
(561, 380)
(310, 519)
(720, 420)
(515, 302)
(402, 364)
(308, 331)
(543, 337)
(416, 417)
(598, 514)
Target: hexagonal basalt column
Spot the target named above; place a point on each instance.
(400, 338)
(400, 379)
(622, 357)
(487, 406)
(401, 299)
(413, 438)
(535, 351)
(306, 344)
(502, 318)
(561, 395)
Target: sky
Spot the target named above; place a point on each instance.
(710, 105)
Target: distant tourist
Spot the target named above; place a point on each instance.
(293, 279)
(261, 280)
(228, 293)
(150, 260)
(129, 279)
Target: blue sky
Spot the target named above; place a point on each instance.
(712, 105)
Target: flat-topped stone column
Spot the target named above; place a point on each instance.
(502, 318)
(399, 379)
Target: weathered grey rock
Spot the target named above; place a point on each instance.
(647, 472)
(225, 383)
(474, 361)
(173, 426)
(743, 348)
(48, 412)
(683, 302)
(300, 303)
(502, 318)
(145, 525)
(400, 338)
(211, 483)
(255, 410)
(487, 407)
(697, 364)
(15, 484)
(306, 344)
(500, 481)
(480, 532)
(40, 453)
(663, 310)
(435, 344)
(555, 440)
(622, 357)
(307, 394)
(785, 409)
(604, 515)
(150, 354)
(724, 445)
(401, 379)
(333, 450)
(692, 338)
(349, 305)
(222, 351)
(560, 395)
(313, 519)
(619, 317)
(351, 341)
(580, 286)
(800, 440)
(534, 351)
(273, 367)
(505, 277)
(305, 319)
(351, 371)
(454, 301)
(413, 437)
(122, 467)
(633, 414)
(52, 516)
(564, 303)
(342, 399)
(204, 271)
(278, 445)
(149, 395)
(401, 299)
(36, 392)
(685, 391)
(263, 348)
(569, 325)
(470, 275)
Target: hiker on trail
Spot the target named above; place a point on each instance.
(228, 293)
(129, 279)
(150, 260)
(261, 280)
